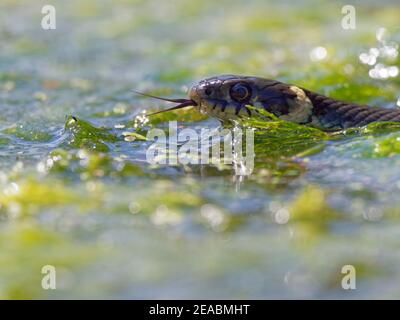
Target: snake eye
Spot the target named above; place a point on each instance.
(208, 91)
(240, 92)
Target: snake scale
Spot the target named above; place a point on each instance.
(227, 97)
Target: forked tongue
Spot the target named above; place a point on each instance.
(182, 103)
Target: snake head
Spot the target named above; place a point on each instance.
(227, 97)
(224, 97)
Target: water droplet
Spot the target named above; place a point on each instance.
(163, 216)
(282, 216)
(213, 215)
(318, 54)
(393, 71)
(381, 34)
(120, 108)
(41, 96)
(383, 73)
(364, 58)
(374, 52)
(9, 85)
(348, 69)
(134, 207)
(11, 189)
(372, 60)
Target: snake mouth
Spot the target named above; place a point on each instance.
(182, 103)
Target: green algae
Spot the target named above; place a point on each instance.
(85, 135)
(30, 196)
(312, 210)
(278, 138)
(28, 248)
(384, 147)
(85, 164)
(28, 133)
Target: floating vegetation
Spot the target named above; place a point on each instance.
(82, 134)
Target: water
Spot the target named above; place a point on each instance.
(80, 196)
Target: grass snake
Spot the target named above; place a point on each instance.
(227, 97)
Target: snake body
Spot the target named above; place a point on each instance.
(340, 114)
(228, 96)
